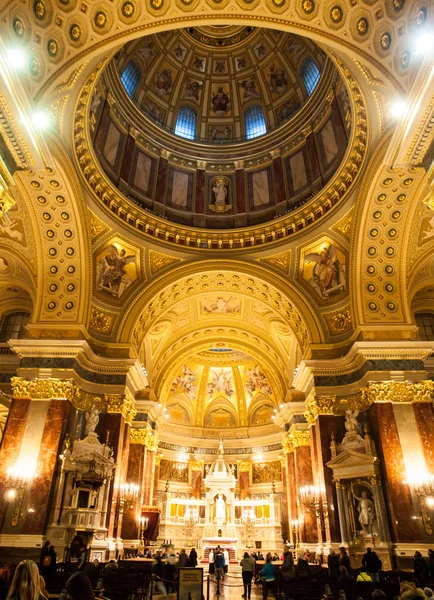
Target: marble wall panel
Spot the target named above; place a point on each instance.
(324, 428)
(304, 476)
(424, 414)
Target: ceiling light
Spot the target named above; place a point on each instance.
(423, 43)
(398, 108)
(41, 119)
(16, 58)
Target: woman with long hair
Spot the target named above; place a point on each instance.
(26, 583)
(79, 587)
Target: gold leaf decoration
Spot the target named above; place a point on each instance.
(158, 261)
(279, 261)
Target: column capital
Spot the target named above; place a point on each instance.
(244, 466)
(196, 465)
(398, 391)
(145, 437)
(296, 438)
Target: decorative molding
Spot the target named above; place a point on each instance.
(158, 261)
(296, 439)
(343, 226)
(244, 466)
(279, 261)
(399, 391)
(145, 438)
(333, 405)
(196, 465)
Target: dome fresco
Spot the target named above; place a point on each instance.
(218, 73)
(221, 128)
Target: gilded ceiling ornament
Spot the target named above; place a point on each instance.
(319, 405)
(296, 439)
(373, 306)
(244, 466)
(386, 182)
(157, 4)
(405, 59)
(398, 391)
(51, 305)
(52, 47)
(39, 9)
(100, 19)
(121, 404)
(279, 3)
(128, 9)
(34, 66)
(158, 458)
(362, 26)
(42, 388)
(341, 322)
(158, 261)
(280, 261)
(18, 25)
(308, 6)
(336, 14)
(196, 465)
(343, 226)
(101, 321)
(145, 438)
(75, 32)
(371, 287)
(398, 4)
(391, 306)
(386, 41)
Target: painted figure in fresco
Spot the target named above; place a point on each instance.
(163, 82)
(328, 273)
(220, 103)
(221, 382)
(219, 66)
(256, 380)
(186, 382)
(250, 91)
(192, 90)
(278, 81)
(112, 271)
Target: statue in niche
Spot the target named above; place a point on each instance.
(92, 418)
(367, 514)
(220, 510)
(220, 191)
(351, 424)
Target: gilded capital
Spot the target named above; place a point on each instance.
(196, 465)
(158, 458)
(398, 391)
(296, 439)
(244, 466)
(145, 437)
(43, 388)
(121, 404)
(319, 405)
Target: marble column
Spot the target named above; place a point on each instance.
(424, 415)
(156, 477)
(303, 477)
(285, 511)
(196, 468)
(398, 495)
(244, 478)
(135, 475)
(292, 494)
(149, 478)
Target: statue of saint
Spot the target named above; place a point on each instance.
(92, 418)
(220, 510)
(367, 516)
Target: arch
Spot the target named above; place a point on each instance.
(13, 325)
(186, 123)
(130, 78)
(254, 121)
(275, 289)
(310, 74)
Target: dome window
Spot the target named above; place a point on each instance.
(255, 122)
(186, 123)
(310, 74)
(14, 326)
(425, 322)
(130, 78)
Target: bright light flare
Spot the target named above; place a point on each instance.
(41, 120)
(398, 108)
(17, 58)
(10, 495)
(423, 43)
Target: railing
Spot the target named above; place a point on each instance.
(84, 517)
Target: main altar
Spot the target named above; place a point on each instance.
(220, 516)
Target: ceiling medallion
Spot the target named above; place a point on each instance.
(405, 59)
(398, 4)
(308, 6)
(75, 32)
(39, 9)
(362, 26)
(279, 2)
(336, 14)
(386, 40)
(18, 26)
(52, 47)
(100, 19)
(157, 4)
(128, 9)
(421, 16)
(34, 66)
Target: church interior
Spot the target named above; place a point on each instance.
(217, 276)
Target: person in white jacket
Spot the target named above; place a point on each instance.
(211, 562)
(226, 555)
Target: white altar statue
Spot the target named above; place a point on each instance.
(367, 516)
(220, 510)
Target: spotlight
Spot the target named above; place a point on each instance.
(398, 108)
(423, 43)
(430, 501)
(16, 58)
(10, 495)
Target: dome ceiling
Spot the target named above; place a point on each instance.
(218, 72)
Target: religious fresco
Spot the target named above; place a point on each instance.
(178, 414)
(220, 381)
(277, 79)
(11, 226)
(220, 99)
(116, 269)
(323, 268)
(173, 471)
(164, 81)
(256, 380)
(193, 89)
(427, 227)
(185, 381)
(266, 472)
(228, 305)
(262, 415)
(220, 418)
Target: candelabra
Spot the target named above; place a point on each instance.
(17, 479)
(249, 521)
(143, 526)
(127, 498)
(191, 519)
(311, 497)
(424, 489)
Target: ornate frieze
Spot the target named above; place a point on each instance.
(63, 388)
(333, 405)
(398, 391)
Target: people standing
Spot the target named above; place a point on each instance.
(345, 559)
(288, 572)
(247, 568)
(192, 559)
(158, 567)
(333, 563)
(219, 565)
(373, 564)
(302, 568)
(211, 562)
(226, 556)
(26, 583)
(420, 567)
(183, 559)
(269, 574)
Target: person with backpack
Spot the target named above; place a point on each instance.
(373, 564)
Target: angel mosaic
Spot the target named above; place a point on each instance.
(112, 272)
(257, 380)
(328, 275)
(221, 305)
(220, 382)
(185, 382)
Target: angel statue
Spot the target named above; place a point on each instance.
(351, 424)
(328, 273)
(92, 418)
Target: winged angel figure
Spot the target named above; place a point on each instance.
(221, 382)
(328, 275)
(112, 276)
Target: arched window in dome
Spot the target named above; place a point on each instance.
(425, 322)
(186, 123)
(255, 122)
(130, 78)
(310, 74)
(13, 326)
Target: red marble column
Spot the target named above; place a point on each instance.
(52, 437)
(424, 414)
(11, 442)
(135, 474)
(292, 488)
(304, 476)
(240, 185)
(398, 495)
(149, 478)
(156, 477)
(244, 480)
(196, 483)
(285, 512)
